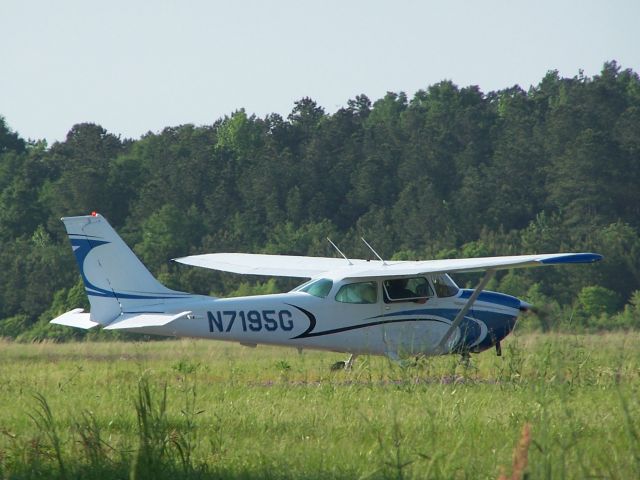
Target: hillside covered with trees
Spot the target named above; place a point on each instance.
(450, 172)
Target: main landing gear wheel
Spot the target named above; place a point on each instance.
(465, 359)
(344, 364)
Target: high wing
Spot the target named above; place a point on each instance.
(269, 265)
(311, 267)
(473, 264)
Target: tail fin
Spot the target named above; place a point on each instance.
(115, 280)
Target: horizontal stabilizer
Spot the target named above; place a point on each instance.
(75, 318)
(142, 320)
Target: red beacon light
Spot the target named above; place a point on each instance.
(94, 214)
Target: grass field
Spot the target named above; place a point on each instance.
(198, 409)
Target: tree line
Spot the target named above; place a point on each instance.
(449, 172)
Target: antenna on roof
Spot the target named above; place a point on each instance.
(374, 252)
(339, 251)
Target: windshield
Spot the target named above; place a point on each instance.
(318, 288)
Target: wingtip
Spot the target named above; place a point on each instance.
(573, 258)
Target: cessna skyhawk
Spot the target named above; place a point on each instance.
(392, 308)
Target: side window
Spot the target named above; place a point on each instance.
(415, 289)
(362, 292)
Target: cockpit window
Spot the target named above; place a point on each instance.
(318, 288)
(361, 292)
(415, 289)
(444, 285)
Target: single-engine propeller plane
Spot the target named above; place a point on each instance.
(378, 307)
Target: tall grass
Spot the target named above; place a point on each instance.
(195, 409)
(43, 418)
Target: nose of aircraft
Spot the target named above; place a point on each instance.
(499, 323)
(525, 306)
(501, 326)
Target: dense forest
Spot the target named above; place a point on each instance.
(450, 172)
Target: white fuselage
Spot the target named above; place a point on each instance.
(302, 320)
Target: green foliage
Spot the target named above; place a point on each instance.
(9, 140)
(629, 318)
(167, 234)
(245, 288)
(514, 283)
(308, 239)
(14, 326)
(594, 301)
(238, 133)
(450, 172)
(63, 301)
(546, 313)
(474, 249)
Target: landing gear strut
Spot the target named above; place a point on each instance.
(465, 359)
(344, 364)
(498, 349)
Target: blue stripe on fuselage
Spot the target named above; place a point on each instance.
(493, 297)
(448, 313)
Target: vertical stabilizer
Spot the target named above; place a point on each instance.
(115, 279)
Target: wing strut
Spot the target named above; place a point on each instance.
(467, 306)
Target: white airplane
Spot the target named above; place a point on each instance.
(392, 308)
